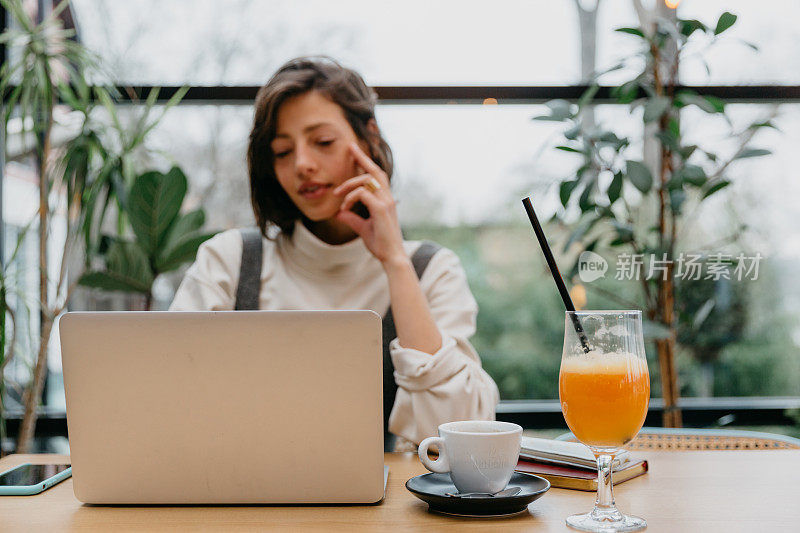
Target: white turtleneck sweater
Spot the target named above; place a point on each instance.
(305, 273)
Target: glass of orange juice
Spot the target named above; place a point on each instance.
(604, 388)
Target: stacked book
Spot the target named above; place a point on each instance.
(570, 465)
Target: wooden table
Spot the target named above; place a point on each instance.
(728, 491)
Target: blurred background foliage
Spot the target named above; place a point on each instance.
(521, 320)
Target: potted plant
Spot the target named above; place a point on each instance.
(637, 204)
(86, 178)
(163, 238)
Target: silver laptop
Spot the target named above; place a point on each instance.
(224, 407)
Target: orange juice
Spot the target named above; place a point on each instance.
(604, 398)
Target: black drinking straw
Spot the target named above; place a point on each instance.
(551, 262)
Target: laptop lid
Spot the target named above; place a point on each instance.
(224, 407)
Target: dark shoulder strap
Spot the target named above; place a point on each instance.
(420, 260)
(423, 256)
(249, 287)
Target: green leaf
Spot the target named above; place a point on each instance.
(140, 128)
(674, 127)
(676, 199)
(565, 190)
(176, 98)
(717, 103)
(709, 104)
(154, 202)
(573, 132)
(716, 187)
(550, 118)
(624, 231)
(726, 20)
(588, 95)
(152, 98)
(632, 31)
(107, 281)
(689, 26)
(627, 92)
(559, 109)
(183, 225)
(676, 180)
(568, 149)
(669, 140)
(66, 93)
(610, 138)
(750, 45)
(173, 101)
(763, 124)
(585, 201)
(20, 15)
(127, 269)
(580, 231)
(58, 9)
(105, 100)
(687, 151)
(592, 245)
(187, 223)
(23, 232)
(694, 175)
(639, 175)
(183, 251)
(615, 188)
(752, 152)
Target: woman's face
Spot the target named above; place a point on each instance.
(311, 154)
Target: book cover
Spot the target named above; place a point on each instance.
(563, 453)
(577, 478)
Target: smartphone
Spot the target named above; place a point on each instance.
(27, 479)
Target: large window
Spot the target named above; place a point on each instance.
(462, 169)
(418, 42)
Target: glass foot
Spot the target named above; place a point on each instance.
(609, 521)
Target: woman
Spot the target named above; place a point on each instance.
(320, 188)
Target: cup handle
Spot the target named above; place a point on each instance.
(440, 465)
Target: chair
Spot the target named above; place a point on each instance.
(681, 439)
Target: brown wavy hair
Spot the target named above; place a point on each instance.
(343, 86)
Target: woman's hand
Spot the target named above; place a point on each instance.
(381, 231)
(381, 234)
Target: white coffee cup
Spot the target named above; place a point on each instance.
(480, 455)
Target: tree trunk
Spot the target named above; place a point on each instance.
(666, 353)
(33, 393)
(658, 157)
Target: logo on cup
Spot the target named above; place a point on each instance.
(591, 266)
(493, 460)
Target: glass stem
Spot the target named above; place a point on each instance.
(605, 491)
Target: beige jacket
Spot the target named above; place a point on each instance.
(305, 273)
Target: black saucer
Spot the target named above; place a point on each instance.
(431, 488)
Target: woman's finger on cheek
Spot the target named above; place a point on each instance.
(368, 164)
(362, 159)
(358, 195)
(351, 184)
